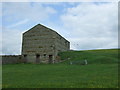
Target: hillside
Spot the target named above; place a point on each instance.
(104, 56)
(101, 72)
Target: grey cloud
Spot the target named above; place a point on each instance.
(94, 26)
(22, 10)
(11, 41)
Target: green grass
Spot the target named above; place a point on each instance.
(105, 56)
(62, 75)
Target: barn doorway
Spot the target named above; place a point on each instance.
(25, 58)
(37, 58)
(50, 58)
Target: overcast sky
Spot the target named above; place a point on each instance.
(87, 25)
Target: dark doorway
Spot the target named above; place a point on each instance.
(25, 58)
(50, 58)
(37, 58)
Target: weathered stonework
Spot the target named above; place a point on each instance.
(11, 59)
(41, 45)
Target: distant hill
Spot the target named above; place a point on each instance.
(103, 56)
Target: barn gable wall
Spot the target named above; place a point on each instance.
(41, 44)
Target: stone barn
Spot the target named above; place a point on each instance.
(41, 45)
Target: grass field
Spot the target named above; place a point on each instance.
(105, 56)
(97, 74)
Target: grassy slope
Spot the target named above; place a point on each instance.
(93, 75)
(105, 56)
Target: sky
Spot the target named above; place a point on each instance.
(87, 25)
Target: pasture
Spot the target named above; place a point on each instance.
(101, 72)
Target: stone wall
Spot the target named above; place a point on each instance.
(11, 59)
(41, 45)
